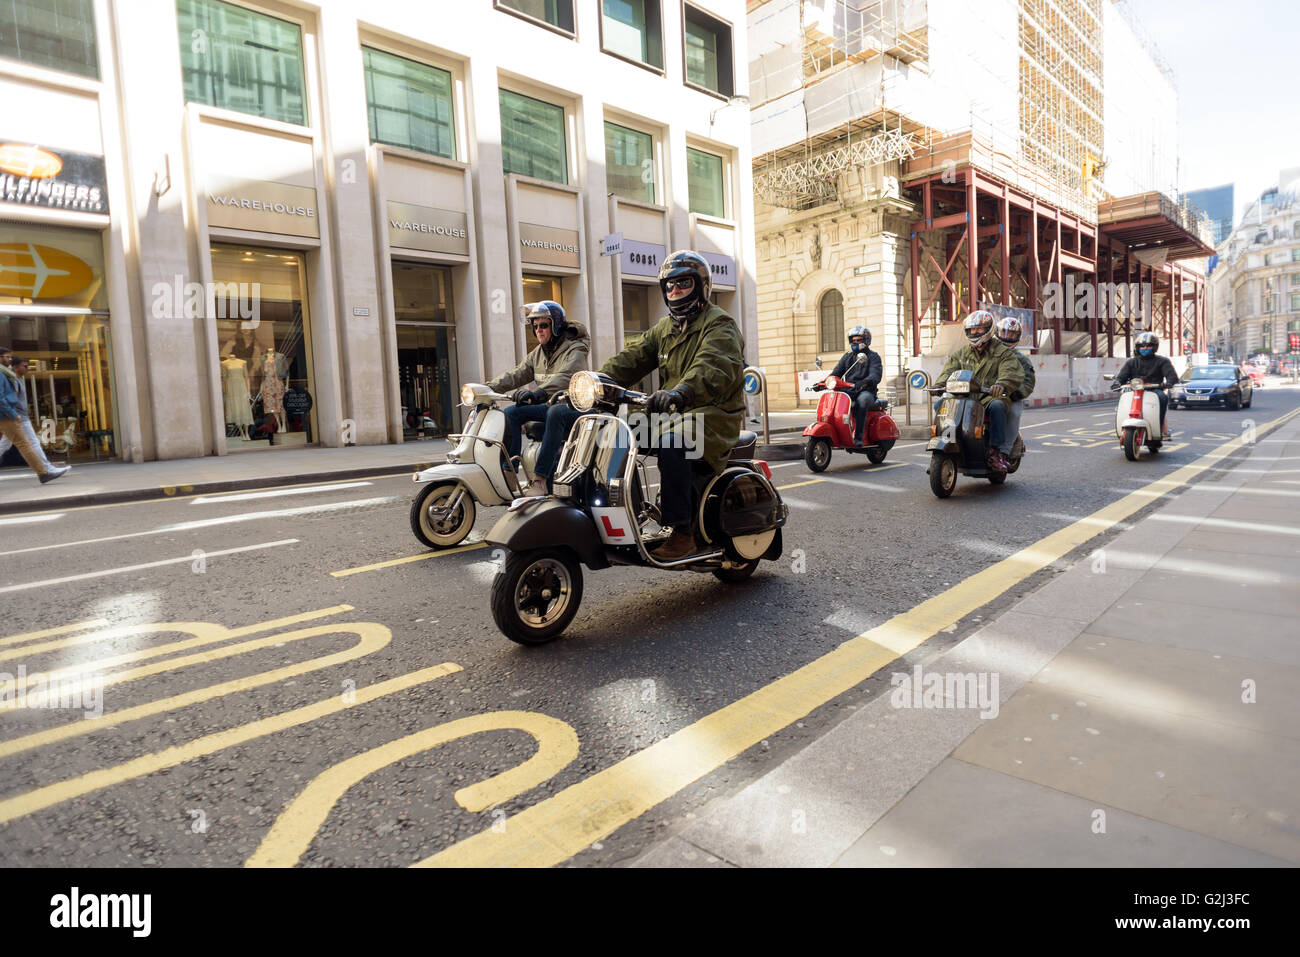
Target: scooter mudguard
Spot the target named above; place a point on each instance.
(820, 430)
(941, 443)
(882, 428)
(774, 550)
(547, 524)
(468, 474)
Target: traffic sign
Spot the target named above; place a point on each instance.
(919, 379)
(752, 384)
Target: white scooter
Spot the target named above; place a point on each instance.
(478, 471)
(1137, 418)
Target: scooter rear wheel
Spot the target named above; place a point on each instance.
(817, 454)
(536, 594)
(943, 474)
(448, 532)
(877, 453)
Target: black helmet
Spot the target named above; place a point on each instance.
(1147, 339)
(862, 331)
(978, 327)
(681, 264)
(547, 309)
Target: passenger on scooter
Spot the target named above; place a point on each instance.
(995, 369)
(1156, 371)
(562, 348)
(1008, 332)
(864, 376)
(700, 355)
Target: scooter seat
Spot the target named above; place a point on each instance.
(880, 405)
(534, 430)
(744, 447)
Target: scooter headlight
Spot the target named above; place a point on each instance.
(467, 394)
(585, 391)
(959, 388)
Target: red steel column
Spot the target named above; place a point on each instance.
(972, 241)
(916, 290)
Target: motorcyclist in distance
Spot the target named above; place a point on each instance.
(1008, 331)
(862, 369)
(1156, 371)
(997, 370)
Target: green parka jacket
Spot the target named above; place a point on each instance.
(552, 369)
(1027, 367)
(997, 365)
(708, 356)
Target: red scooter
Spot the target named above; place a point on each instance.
(834, 427)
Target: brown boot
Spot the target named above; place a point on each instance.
(678, 545)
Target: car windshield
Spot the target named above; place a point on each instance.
(1209, 372)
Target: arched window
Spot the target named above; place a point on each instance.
(831, 312)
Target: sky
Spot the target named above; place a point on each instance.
(1235, 66)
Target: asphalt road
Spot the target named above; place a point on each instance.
(246, 646)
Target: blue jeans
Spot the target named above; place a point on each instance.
(997, 416)
(516, 416)
(1016, 410)
(559, 420)
(861, 405)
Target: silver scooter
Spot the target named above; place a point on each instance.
(478, 471)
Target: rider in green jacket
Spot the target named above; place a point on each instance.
(996, 369)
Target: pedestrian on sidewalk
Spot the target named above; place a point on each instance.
(15, 426)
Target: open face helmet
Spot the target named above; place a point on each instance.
(979, 328)
(545, 310)
(1147, 344)
(682, 265)
(1008, 330)
(863, 335)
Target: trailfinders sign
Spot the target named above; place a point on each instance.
(264, 207)
(548, 246)
(53, 179)
(427, 228)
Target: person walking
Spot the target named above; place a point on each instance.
(15, 426)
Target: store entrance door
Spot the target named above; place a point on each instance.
(426, 376)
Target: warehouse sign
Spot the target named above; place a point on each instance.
(34, 175)
(424, 227)
(548, 246)
(264, 207)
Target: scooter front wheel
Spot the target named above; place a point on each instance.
(437, 526)
(1134, 436)
(536, 594)
(817, 454)
(943, 474)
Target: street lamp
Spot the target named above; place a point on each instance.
(731, 101)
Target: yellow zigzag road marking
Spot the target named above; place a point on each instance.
(47, 632)
(556, 829)
(373, 637)
(297, 825)
(52, 794)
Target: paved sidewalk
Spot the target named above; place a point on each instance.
(1149, 715)
(97, 484)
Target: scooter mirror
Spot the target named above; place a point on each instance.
(818, 363)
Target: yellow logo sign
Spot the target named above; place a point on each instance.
(28, 271)
(30, 161)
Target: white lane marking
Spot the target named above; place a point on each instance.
(248, 496)
(1037, 424)
(208, 522)
(30, 519)
(782, 465)
(1102, 415)
(1231, 524)
(1211, 487)
(136, 568)
(874, 486)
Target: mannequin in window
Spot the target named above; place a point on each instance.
(274, 367)
(234, 386)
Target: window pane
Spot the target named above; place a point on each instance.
(56, 34)
(704, 183)
(558, 13)
(630, 28)
(409, 104)
(701, 56)
(832, 320)
(240, 60)
(532, 138)
(629, 163)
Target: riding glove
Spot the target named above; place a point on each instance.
(527, 396)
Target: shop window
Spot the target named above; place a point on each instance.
(831, 313)
(55, 34)
(708, 52)
(631, 29)
(705, 183)
(52, 267)
(236, 59)
(629, 163)
(532, 138)
(409, 104)
(557, 14)
(537, 288)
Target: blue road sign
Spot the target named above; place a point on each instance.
(918, 379)
(752, 384)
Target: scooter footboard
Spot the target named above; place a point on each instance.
(549, 524)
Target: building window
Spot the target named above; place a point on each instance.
(831, 313)
(1267, 303)
(532, 138)
(553, 13)
(409, 104)
(1295, 302)
(629, 163)
(631, 29)
(56, 34)
(708, 52)
(1295, 279)
(239, 60)
(705, 183)
(1266, 333)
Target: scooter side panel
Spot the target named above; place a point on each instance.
(881, 428)
(471, 475)
(549, 524)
